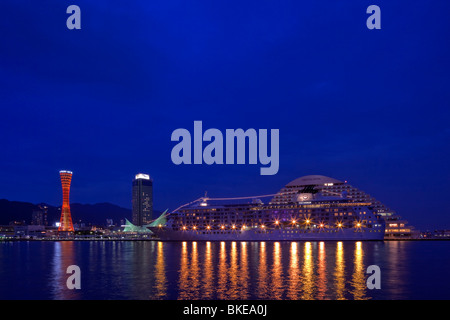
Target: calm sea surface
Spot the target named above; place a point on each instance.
(224, 270)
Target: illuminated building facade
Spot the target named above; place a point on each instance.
(309, 207)
(142, 200)
(396, 227)
(66, 218)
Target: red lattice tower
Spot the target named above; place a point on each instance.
(66, 218)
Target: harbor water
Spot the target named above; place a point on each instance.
(225, 270)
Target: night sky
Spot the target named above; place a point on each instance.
(367, 106)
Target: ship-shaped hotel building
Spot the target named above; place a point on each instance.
(308, 208)
(396, 226)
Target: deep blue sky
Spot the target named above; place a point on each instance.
(367, 106)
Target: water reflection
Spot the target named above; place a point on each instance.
(286, 270)
(263, 286)
(339, 272)
(220, 270)
(233, 270)
(321, 272)
(308, 273)
(184, 287)
(160, 274)
(358, 280)
(277, 284)
(223, 272)
(396, 259)
(194, 273)
(208, 273)
(212, 270)
(243, 272)
(294, 274)
(63, 257)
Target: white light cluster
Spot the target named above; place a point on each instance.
(142, 176)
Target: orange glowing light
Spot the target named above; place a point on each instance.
(66, 217)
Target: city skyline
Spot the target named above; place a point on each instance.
(367, 106)
(146, 216)
(225, 158)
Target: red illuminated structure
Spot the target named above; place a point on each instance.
(66, 218)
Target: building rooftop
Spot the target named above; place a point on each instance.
(312, 179)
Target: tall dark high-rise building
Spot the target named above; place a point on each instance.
(37, 218)
(142, 201)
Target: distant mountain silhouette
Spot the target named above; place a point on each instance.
(95, 214)
(98, 213)
(15, 211)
